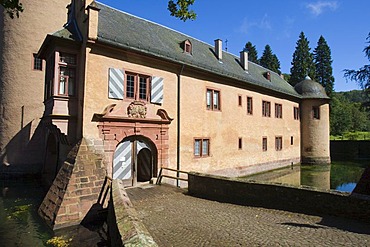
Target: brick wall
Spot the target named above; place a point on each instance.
(76, 187)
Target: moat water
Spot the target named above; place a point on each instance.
(340, 175)
(20, 224)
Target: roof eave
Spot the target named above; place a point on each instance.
(108, 42)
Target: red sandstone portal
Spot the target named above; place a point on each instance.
(134, 145)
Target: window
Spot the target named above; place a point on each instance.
(296, 113)
(49, 77)
(137, 86)
(37, 63)
(240, 101)
(264, 143)
(291, 140)
(266, 109)
(213, 100)
(201, 147)
(67, 74)
(278, 143)
(249, 105)
(316, 112)
(240, 143)
(278, 111)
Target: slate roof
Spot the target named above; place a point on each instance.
(123, 30)
(310, 89)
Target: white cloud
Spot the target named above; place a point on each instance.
(263, 23)
(318, 8)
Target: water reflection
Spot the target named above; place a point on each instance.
(342, 176)
(19, 223)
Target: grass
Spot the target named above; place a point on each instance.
(353, 136)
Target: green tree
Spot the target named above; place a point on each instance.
(180, 9)
(286, 76)
(340, 115)
(252, 52)
(347, 113)
(359, 118)
(362, 75)
(324, 70)
(302, 62)
(270, 60)
(12, 7)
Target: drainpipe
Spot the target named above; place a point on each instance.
(178, 124)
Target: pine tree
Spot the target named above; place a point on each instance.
(252, 52)
(302, 63)
(324, 70)
(270, 60)
(362, 75)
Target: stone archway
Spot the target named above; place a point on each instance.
(117, 126)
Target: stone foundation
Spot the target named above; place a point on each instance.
(256, 168)
(316, 160)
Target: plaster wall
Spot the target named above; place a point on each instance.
(315, 132)
(223, 128)
(21, 87)
(96, 86)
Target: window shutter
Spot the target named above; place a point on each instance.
(115, 83)
(157, 90)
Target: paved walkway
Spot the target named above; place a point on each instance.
(177, 219)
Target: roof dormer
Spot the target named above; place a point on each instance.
(187, 47)
(267, 75)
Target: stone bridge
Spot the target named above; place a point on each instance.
(169, 216)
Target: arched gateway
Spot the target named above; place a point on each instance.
(135, 145)
(135, 160)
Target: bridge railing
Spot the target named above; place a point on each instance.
(177, 177)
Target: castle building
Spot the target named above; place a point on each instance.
(22, 84)
(124, 96)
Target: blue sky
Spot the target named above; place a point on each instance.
(343, 23)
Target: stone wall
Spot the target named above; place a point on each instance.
(76, 187)
(283, 197)
(125, 227)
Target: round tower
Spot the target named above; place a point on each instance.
(22, 82)
(315, 128)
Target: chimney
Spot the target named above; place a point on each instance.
(218, 49)
(93, 13)
(244, 60)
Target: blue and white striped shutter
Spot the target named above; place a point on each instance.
(122, 161)
(157, 90)
(116, 83)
